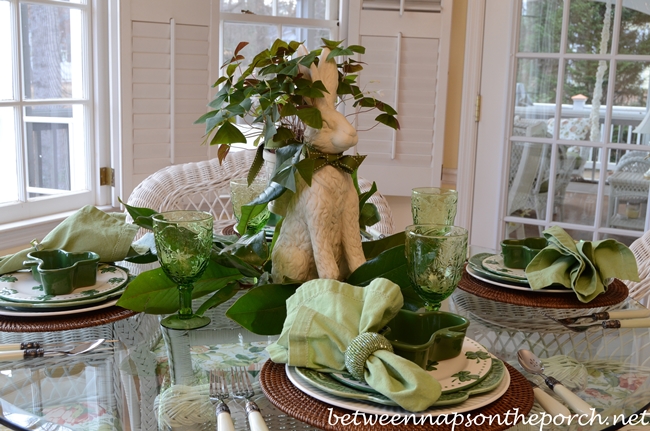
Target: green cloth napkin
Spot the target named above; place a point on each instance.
(89, 229)
(581, 266)
(323, 316)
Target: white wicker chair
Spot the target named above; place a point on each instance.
(641, 290)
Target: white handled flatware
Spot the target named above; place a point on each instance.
(533, 364)
(16, 355)
(548, 403)
(609, 315)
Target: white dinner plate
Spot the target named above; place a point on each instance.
(38, 306)
(474, 274)
(494, 264)
(48, 313)
(472, 403)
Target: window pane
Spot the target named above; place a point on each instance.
(535, 96)
(583, 100)
(6, 41)
(9, 189)
(311, 36)
(574, 200)
(587, 20)
(541, 26)
(628, 190)
(630, 103)
(635, 29)
(259, 37)
(294, 8)
(55, 151)
(52, 52)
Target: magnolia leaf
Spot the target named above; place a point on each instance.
(220, 296)
(228, 133)
(372, 249)
(154, 293)
(368, 215)
(262, 310)
(140, 216)
(390, 264)
(388, 120)
(230, 261)
(412, 300)
(205, 116)
(311, 117)
(252, 249)
(147, 257)
(254, 208)
(240, 46)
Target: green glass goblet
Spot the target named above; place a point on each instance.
(435, 258)
(183, 242)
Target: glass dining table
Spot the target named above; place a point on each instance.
(144, 377)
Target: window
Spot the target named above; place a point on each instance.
(47, 111)
(261, 22)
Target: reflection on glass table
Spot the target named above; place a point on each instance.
(128, 384)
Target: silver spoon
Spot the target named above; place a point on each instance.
(533, 364)
(15, 355)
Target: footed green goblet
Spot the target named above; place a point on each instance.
(435, 259)
(183, 242)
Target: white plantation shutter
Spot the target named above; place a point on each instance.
(406, 63)
(163, 114)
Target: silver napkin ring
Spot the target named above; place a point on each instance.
(360, 349)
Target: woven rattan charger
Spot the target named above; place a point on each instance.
(616, 293)
(78, 320)
(285, 396)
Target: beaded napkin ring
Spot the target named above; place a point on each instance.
(360, 349)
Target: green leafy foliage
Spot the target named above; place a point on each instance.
(276, 93)
(263, 309)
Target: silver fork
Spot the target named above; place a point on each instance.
(242, 388)
(218, 395)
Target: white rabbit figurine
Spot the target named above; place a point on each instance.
(319, 237)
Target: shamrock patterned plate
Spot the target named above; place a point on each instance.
(494, 264)
(476, 263)
(455, 374)
(326, 383)
(21, 287)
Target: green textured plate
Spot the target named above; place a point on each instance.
(326, 383)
